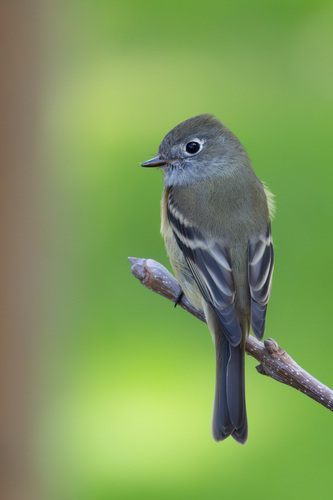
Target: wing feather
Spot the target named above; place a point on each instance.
(211, 267)
(260, 272)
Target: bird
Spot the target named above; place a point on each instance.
(216, 224)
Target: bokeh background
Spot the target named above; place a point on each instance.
(124, 383)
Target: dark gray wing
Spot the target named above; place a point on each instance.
(260, 269)
(210, 265)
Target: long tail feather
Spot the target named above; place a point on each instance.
(229, 414)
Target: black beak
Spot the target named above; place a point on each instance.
(155, 162)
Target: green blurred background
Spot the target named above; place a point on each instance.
(127, 382)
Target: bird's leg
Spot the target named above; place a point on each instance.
(179, 297)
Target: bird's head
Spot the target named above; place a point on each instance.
(198, 149)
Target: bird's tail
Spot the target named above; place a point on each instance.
(229, 414)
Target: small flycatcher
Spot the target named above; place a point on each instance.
(216, 227)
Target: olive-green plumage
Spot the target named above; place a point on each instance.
(216, 227)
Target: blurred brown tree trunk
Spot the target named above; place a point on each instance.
(20, 246)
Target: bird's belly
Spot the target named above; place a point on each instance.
(182, 271)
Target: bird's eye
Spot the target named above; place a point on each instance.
(193, 147)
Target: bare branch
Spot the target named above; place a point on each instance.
(274, 361)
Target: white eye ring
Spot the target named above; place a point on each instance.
(193, 146)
